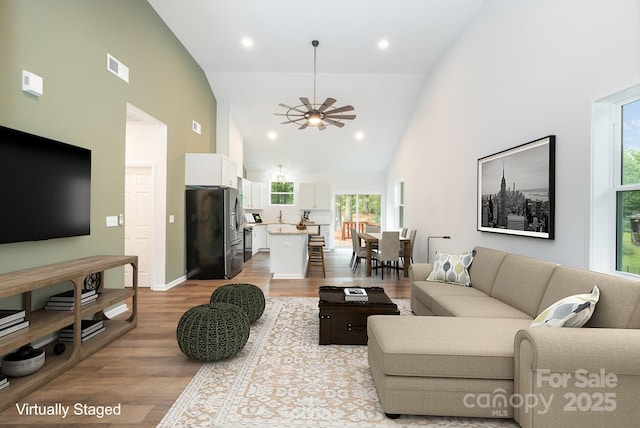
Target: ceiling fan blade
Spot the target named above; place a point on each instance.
(304, 125)
(339, 116)
(333, 122)
(288, 114)
(340, 109)
(289, 121)
(292, 108)
(321, 126)
(306, 103)
(326, 104)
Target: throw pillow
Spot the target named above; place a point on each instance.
(572, 311)
(452, 268)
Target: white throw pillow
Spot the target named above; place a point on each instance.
(572, 311)
(452, 268)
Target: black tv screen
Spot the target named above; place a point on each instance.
(45, 188)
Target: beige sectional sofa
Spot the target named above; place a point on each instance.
(471, 350)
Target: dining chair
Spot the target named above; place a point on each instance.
(388, 252)
(403, 233)
(373, 228)
(359, 252)
(412, 239)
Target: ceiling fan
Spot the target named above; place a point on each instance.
(318, 115)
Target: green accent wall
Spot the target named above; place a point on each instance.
(66, 43)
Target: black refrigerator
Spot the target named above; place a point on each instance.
(214, 234)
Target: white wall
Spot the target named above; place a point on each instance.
(520, 71)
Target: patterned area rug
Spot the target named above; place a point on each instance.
(283, 378)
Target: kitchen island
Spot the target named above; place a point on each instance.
(288, 249)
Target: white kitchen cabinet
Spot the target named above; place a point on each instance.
(314, 196)
(256, 195)
(259, 238)
(252, 195)
(209, 169)
(246, 194)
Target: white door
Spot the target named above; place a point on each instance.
(138, 225)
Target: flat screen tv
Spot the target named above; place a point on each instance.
(45, 188)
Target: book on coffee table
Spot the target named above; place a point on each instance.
(355, 295)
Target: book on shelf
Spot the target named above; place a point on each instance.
(82, 302)
(11, 323)
(87, 327)
(68, 306)
(4, 383)
(68, 296)
(355, 295)
(11, 316)
(84, 338)
(14, 328)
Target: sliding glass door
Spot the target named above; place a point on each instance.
(355, 211)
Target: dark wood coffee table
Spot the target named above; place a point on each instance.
(345, 323)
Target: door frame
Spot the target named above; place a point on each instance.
(148, 147)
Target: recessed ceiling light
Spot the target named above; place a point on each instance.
(359, 135)
(247, 42)
(383, 44)
(272, 135)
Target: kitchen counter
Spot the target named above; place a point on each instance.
(291, 231)
(288, 252)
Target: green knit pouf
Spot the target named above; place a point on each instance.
(247, 296)
(214, 331)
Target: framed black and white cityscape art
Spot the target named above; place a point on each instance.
(516, 190)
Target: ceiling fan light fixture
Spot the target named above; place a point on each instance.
(314, 118)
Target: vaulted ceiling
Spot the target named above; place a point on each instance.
(381, 84)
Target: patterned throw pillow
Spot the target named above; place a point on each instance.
(572, 311)
(452, 268)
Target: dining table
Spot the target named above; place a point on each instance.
(371, 240)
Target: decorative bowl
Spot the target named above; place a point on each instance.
(22, 363)
(301, 226)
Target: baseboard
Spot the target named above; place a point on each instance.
(165, 287)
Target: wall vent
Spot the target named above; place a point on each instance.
(117, 68)
(196, 127)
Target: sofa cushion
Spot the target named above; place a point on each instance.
(572, 311)
(619, 304)
(452, 268)
(522, 281)
(485, 268)
(475, 306)
(479, 348)
(426, 291)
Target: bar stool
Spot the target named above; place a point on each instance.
(316, 253)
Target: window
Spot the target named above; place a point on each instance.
(400, 203)
(627, 188)
(615, 183)
(282, 193)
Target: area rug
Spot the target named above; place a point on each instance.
(283, 378)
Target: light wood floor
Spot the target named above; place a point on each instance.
(145, 372)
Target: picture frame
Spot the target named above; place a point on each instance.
(516, 190)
